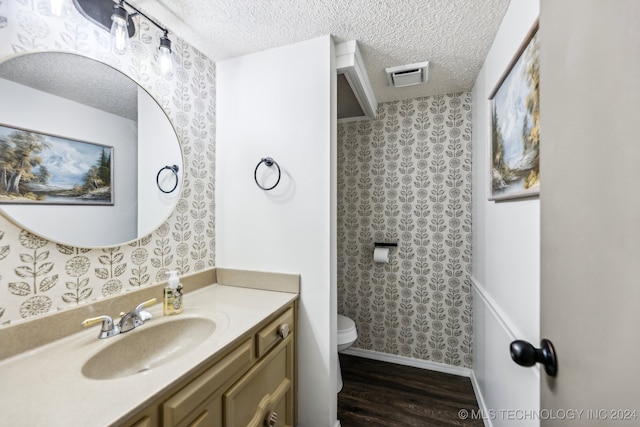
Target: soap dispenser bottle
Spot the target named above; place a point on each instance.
(173, 295)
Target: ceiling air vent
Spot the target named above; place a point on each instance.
(408, 75)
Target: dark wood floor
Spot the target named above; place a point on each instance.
(380, 394)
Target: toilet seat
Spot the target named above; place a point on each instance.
(347, 332)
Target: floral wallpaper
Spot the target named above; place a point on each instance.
(406, 177)
(38, 276)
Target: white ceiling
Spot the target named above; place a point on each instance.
(453, 35)
(73, 77)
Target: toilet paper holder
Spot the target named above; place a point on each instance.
(385, 245)
(381, 252)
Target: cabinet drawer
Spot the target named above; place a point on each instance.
(143, 422)
(272, 334)
(190, 401)
(267, 387)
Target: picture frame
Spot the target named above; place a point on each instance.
(514, 160)
(45, 169)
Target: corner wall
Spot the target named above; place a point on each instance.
(280, 103)
(506, 251)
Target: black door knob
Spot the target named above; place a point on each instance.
(525, 354)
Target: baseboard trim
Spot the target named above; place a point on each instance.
(480, 398)
(409, 361)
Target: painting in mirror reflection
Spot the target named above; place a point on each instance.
(47, 169)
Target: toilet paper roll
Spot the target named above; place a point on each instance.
(381, 255)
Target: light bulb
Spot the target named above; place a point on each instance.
(164, 57)
(119, 30)
(56, 7)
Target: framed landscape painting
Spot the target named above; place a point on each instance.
(515, 126)
(39, 168)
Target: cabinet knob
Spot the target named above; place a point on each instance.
(270, 419)
(283, 330)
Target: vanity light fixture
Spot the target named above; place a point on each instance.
(164, 56)
(119, 29)
(56, 7)
(120, 36)
(115, 16)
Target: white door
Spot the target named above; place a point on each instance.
(590, 210)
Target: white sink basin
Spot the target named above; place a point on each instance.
(148, 346)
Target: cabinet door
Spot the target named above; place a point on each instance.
(148, 417)
(145, 421)
(200, 402)
(267, 388)
(209, 414)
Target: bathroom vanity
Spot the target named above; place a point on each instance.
(227, 360)
(251, 384)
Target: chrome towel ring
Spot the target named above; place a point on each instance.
(269, 162)
(173, 169)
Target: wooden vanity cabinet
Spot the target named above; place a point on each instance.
(265, 395)
(251, 385)
(200, 402)
(142, 421)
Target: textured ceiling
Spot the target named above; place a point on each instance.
(75, 77)
(453, 35)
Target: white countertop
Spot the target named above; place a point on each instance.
(46, 387)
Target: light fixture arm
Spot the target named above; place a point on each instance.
(164, 49)
(138, 12)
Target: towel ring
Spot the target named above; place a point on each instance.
(269, 162)
(173, 169)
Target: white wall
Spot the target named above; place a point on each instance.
(506, 257)
(281, 103)
(158, 147)
(90, 225)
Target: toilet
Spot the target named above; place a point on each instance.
(347, 335)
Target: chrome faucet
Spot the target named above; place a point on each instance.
(108, 328)
(135, 317)
(128, 321)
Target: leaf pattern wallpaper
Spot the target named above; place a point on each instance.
(406, 177)
(38, 276)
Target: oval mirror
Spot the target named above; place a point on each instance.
(87, 157)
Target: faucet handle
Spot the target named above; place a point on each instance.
(146, 304)
(94, 320)
(144, 314)
(135, 317)
(108, 328)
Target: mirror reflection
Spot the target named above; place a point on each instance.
(56, 105)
